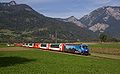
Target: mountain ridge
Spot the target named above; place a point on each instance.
(105, 19)
(21, 23)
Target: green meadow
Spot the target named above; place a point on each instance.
(105, 48)
(36, 61)
(2, 45)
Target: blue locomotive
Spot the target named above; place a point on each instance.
(77, 48)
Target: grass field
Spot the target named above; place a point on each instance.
(2, 45)
(34, 61)
(105, 48)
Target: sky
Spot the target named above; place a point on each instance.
(66, 8)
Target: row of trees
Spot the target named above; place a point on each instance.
(7, 38)
(105, 38)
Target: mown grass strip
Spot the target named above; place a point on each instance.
(105, 56)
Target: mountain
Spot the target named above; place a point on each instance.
(74, 20)
(21, 23)
(104, 20)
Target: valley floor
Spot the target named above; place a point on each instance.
(19, 60)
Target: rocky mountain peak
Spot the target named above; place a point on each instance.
(12, 3)
(114, 12)
(8, 3)
(72, 18)
(104, 19)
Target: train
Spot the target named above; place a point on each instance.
(63, 47)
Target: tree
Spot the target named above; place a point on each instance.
(103, 37)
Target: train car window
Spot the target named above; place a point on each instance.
(30, 44)
(54, 46)
(43, 45)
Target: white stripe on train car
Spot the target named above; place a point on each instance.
(58, 49)
(43, 47)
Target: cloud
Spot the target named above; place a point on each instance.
(41, 1)
(66, 8)
(100, 1)
(35, 1)
(31, 1)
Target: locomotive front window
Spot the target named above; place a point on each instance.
(85, 47)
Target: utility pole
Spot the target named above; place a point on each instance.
(56, 36)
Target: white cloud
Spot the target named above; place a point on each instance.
(30, 1)
(35, 1)
(41, 1)
(100, 1)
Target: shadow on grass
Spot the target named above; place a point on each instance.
(10, 61)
